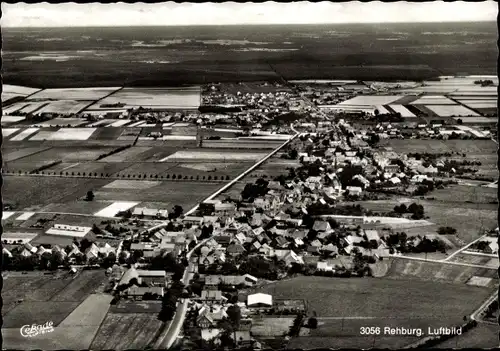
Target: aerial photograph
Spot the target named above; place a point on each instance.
(249, 176)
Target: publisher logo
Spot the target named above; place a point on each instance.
(29, 331)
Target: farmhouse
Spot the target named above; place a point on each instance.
(152, 278)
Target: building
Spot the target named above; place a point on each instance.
(140, 293)
(259, 300)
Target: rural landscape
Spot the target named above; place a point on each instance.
(250, 187)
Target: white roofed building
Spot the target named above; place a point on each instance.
(259, 300)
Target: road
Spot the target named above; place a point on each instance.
(170, 333)
(464, 248)
(442, 261)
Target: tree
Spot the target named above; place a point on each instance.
(459, 121)
(312, 323)
(177, 211)
(90, 196)
(234, 316)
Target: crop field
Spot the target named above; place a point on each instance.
(16, 237)
(40, 191)
(94, 168)
(371, 100)
(475, 259)
(25, 165)
(8, 131)
(78, 206)
(209, 169)
(451, 110)
(240, 143)
(125, 306)
(120, 331)
(333, 298)
(18, 90)
(61, 122)
(403, 110)
(162, 98)
(185, 194)
(39, 312)
(119, 123)
(131, 184)
(35, 288)
(478, 120)
(135, 153)
(213, 155)
(24, 107)
(463, 193)
(271, 326)
(24, 134)
(108, 133)
(251, 87)
(404, 269)
(146, 169)
(480, 103)
(75, 154)
(433, 100)
(101, 123)
(86, 94)
(72, 134)
(114, 208)
(81, 287)
(12, 119)
(64, 107)
(485, 147)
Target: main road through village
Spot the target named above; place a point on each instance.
(170, 331)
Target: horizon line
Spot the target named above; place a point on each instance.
(244, 24)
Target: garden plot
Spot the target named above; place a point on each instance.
(64, 107)
(90, 94)
(202, 155)
(24, 134)
(8, 131)
(72, 134)
(131, 184)
(12, 119)
(111, 210)
(163, 98)
(60, 122)
(403, 110)
(451, 110)
(371, 100)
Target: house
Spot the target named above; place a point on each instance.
(205, 321)
(313, 250)
(259, 300)
(256, 245)
(316, 243)
(241, 238)
(193, 220)
(74, 251)
(222, 208)
(92, 252)
(281, 242)
(292, 257)
(130, 274)
(30, 248)
(392, 168)
(331, 249)
(323, 266)
(42, 250)
(266, 250)
(354, 190)
(26, 253)
(322, 226)
(363, 180)
(6, 252)
(138, 292)
(373, 237)
(250, 279)
(211, 296)
(235, 249)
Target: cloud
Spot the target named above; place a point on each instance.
(169, 13)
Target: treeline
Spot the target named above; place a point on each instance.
(115, 151)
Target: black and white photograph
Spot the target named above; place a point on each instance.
(249, 176)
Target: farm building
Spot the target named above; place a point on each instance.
(259, 300)
(139, 293)
(150, 212)
(154, 278)
(212, 296)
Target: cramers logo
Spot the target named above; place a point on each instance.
(29, 331)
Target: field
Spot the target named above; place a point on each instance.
(451, 110)
(222, 155)
(86, 94)
(15, 237)
(160, 98)
(120, 331)
(478, 120)
(185, 194)
(114, 208)
(24, 134)
(12, 119)
(484, 336)
(18, 90)
(271, 327)
(125, 306)
(433, 100)
(135, 153)
(403, 110)
(474, 147)
(64, 107)
(131, 184)
(74, 154)
(375, 302)
(61, 122)
(371, 100)
(40, 191)
(405, 269)
(72, 134)
(24, 107)
(8, 131)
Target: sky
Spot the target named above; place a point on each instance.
(171, 13)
